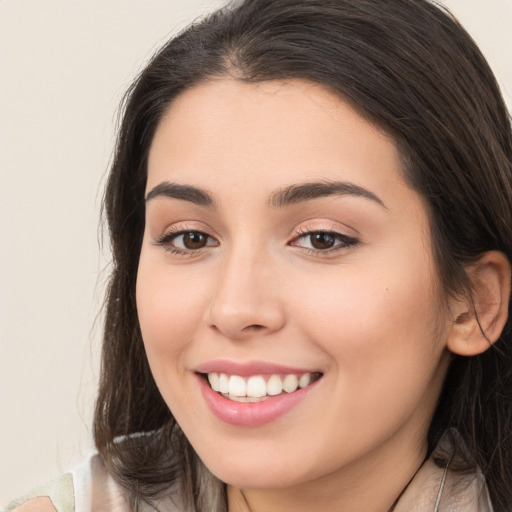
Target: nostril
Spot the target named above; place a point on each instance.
(254, 327)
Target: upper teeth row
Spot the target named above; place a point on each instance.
(256, 386)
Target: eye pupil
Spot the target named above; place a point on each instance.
(194, 240)
(322, 240)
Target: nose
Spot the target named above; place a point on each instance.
(247, 299)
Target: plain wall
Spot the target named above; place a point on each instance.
(64, 66)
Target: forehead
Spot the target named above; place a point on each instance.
(225, 133)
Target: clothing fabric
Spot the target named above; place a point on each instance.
(89, 488)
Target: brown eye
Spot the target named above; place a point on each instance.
(322, 241)
(194, 240)
(186, 242)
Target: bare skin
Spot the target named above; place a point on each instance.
(239, 275)
(40, 504)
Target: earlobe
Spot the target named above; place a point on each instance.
(479, 320)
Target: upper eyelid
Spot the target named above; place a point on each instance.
(327, 227)
(305, 234)
(301, 230)
(347, 240)
(186, 226)
(170, 234)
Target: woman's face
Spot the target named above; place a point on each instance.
(282, 248)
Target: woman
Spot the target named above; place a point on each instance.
(310, 215)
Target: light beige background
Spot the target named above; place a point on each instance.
(64, 65)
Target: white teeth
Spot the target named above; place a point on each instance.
(246, 398)
(237, 386)
(256, 388)
(304, 380)
(213, 379)
(223, 383)
(290, 383)
(274, 385)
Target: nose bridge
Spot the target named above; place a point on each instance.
(246, 299)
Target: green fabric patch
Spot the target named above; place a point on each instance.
(60, 491)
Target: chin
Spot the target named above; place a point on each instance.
(267, 470)
(261, 477)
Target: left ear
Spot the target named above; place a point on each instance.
(478, 320)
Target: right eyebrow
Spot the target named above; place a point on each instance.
(308, 191)
(184, 192)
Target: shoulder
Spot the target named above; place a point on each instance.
(88, 487)
(439, 485)
(41, 504)
(55, 495)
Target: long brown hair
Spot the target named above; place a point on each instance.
(405, 64)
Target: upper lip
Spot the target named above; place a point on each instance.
(246, 369)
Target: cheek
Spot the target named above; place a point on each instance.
(385, 356)
(381, 333)
(170, 307)
(365, 310)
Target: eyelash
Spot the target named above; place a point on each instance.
(167, 238)
(344, 241)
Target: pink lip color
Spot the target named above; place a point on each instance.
(248, 369)
(251, 414)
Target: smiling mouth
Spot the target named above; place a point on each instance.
(257, 388)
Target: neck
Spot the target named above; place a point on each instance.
(372, 484)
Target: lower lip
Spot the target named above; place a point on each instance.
(251, 414)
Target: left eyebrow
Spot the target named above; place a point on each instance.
(314, 190)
